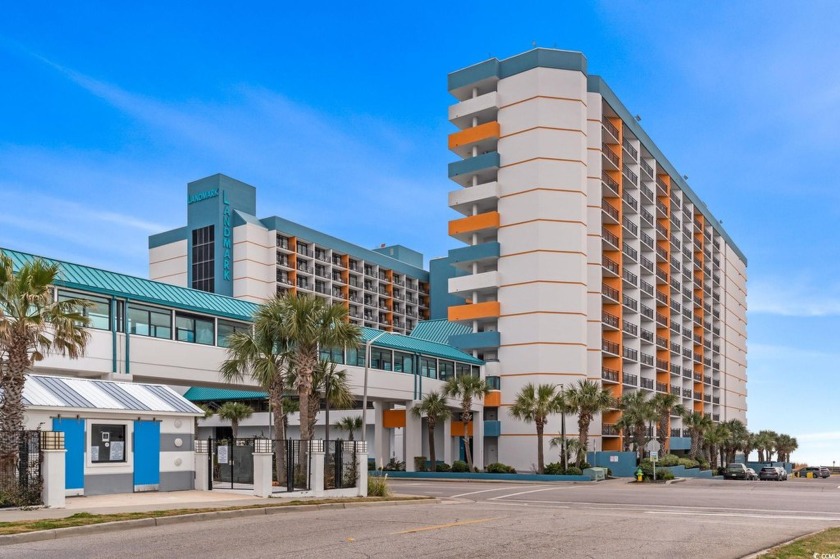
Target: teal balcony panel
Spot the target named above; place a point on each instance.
(485, 161)
(475, 340)
(475, 253)
(492, 428)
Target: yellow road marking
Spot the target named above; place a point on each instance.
(449, 525)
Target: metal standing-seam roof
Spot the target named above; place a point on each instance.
(95, 280)
(438, 330)
(206, 394)
(417, 345)
(42, 391)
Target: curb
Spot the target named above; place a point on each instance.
(56, 533)
(767, 550)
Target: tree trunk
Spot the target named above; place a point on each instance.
(761, 455)
(695, 444)
(540, 457)
(11, 407)
(276, 395)
(432, 456)
(465, 419)
(664, 435)
(583, 437)
(234, 428)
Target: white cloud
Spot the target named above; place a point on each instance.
(793, 296)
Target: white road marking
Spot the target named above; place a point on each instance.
(741, 515)
(485, 491)
(523, 493)
(608, 506)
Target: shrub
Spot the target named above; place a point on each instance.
(585, 465)
(609, 472)
(689, 463)
(573, 471)
(704, 465)
(460, 466)
(554, 469)
(664, 474)
(378, 486)
(669, 460)
(419, 463)
(443, 467)
(499, 468)
(394, 465)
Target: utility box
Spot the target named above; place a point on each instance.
(597, 474)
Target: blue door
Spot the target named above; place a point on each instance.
(146, 455)
(74, 459)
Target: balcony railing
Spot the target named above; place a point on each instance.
(631, 201)
(631, 380)
(630, 251)
(609, 374)
(631, 176)
(630, 277)
(630, 353)
(630, 328)
(661, 387)
(647, 169)
(645, 286)
(647, 216)
(630, 149)
(675, 390)
(662, 342)
(609, 347)
(609, 209)
(646, 264)
(647, 359)
(630, 226)
(630, 302)
(647, 383)
(609, 319)
(609, 430)
(610, 292)
(662, 364)
(610, 237)
(611, 129)
(647, 335)
(610, 264)
(610, 155)
(647, 311)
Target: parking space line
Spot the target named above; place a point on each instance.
(486, 491)
(523, 493)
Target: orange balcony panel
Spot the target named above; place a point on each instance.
(474, 134)
(391, 419)
(493, 399)
(458, 429)
(472, 223)
(475, 311)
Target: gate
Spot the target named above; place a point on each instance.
(20, 468)
(232, 463)
(297, 466)
(340, 469)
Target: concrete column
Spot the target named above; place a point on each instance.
(316, 471)
(447, 440)
(478, 440)
(202, 469)
(362, 469)
(381, 435)
(412, 436)
(263, 474)
(52, 472)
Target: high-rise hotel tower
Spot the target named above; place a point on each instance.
(588, 255)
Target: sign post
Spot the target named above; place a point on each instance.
(653, 448)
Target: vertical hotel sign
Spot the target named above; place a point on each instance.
(226, 236)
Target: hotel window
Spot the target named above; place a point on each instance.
(226, 328)
(149, 321)
(193, 329)
(462, 370)
(107, 443)
(403, 362)
(203, 259)
(381, 359)
(447, 369)
(334, 355)
(99, 311)
(428, 367)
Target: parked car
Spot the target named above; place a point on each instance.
(751, 475)
(736, 471)
(813, 470)
(825, 472)
(772, 473)
(782, 473)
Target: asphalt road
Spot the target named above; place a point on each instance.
(705, 519)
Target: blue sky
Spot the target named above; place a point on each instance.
(337, 114)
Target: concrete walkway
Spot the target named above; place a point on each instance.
(142, 502)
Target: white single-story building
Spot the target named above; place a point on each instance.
(121, 437)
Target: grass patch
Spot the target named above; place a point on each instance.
(825, 543)
(86, 518)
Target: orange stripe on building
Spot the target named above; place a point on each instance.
(478, 222)
(474, 311)
(393, 419)
(457, 429)
(474, 134)
(493, 399)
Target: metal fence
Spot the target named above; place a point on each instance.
(340, 468)
(232, 463)
(20, 468)
(297, 465)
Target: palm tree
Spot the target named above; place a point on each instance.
(467, 388)
(433, 406)
(235, 412)
(327, 378)
(665, 405)
(572, 448)
(263, 354)
(637, 412)
(738, 439)
(697, 425)
(748, 445)
(587, 398)
(715, 437)
(33, 324)
(765, 442)
(309, 323)
(785, 445)
(350, 424)
(533, 404)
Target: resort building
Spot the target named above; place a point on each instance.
(587, 255)
(225, 249)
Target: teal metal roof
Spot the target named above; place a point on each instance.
(417, 345)
(95, 280)
(439, 330)
(203, 394)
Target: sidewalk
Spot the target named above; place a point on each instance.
(141, 502)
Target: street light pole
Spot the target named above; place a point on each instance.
(365, 390)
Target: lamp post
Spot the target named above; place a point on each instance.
(365, 390)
